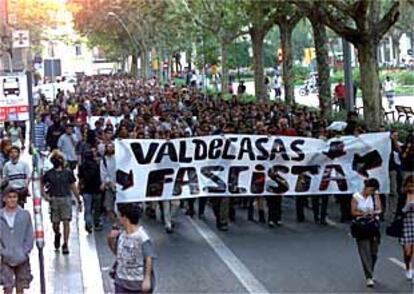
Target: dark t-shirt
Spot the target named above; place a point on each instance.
(58, 182)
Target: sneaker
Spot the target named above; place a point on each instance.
(223, 227)
(370, 283)
(279, 223)
(271, 224)
(98, 227)
(65, 249)
(88, 228)
(409, 274)
(57, 241)
(169, 230)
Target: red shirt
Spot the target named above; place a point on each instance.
(340, 91)
(288, 132)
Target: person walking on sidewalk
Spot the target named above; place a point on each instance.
(60, 183)
(16, 242)
(407, 239)
(17, 174)
(89, 186)
(133, 269)
(365, 208)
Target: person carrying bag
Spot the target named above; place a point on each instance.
(365, 228)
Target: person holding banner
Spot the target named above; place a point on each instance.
(366, 208)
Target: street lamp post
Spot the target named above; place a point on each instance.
(134, 42)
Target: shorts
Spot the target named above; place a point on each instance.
(109, 201)
(16, 276)
(60, 209)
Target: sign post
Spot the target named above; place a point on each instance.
(14, 100)
(36, 189)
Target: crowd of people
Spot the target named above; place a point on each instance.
(83, 163)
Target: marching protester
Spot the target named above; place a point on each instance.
(58, 184)
(407, 157)
(395, 173)
(16, 173)
(16, 135)
(108, 181)
(16, 243)
(5, 147)
(54, 132)
(407, 239)
(90, 188)
(366, 207)
(134, 262)
(67, 145)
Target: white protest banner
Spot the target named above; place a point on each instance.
(249, 165)
(113, 120)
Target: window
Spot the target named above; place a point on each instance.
(78, 49)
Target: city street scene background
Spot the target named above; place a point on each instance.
(207, 146)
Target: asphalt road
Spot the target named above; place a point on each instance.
(252, 258)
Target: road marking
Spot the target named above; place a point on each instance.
(397, 262)
(91, 270)
(246, 278)
(332, 223)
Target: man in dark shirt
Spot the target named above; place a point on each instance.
(53, 133)
(89, 184)
(60, 184)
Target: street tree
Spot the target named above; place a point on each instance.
(224, 19)
(260, 19)
(287, 18)
(321, 41)
(362, 23)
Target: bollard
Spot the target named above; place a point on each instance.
(38, 218)
(36, 189)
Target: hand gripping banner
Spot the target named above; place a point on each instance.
(249, 165)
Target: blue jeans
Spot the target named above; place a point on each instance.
(92, 208)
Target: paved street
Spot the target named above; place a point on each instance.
(250, 257)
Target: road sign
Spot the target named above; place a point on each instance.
(14, 100)
(21, 39)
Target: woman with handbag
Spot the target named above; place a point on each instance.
(365, 208)
(407, 238)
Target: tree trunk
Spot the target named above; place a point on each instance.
(224, 67)
(144, 63)
(134, 65)
(288, 75)
(370, 86)
(188, 54)
(260, 90)
(322, 60)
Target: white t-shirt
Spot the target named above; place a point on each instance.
(388, 86)
(364, 204)
(10, 217)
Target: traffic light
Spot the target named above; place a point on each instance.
(279, 55)
(309, 55)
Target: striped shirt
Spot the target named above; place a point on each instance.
(16, 174)
(40, 132)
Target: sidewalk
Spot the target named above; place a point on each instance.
(78, 272)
